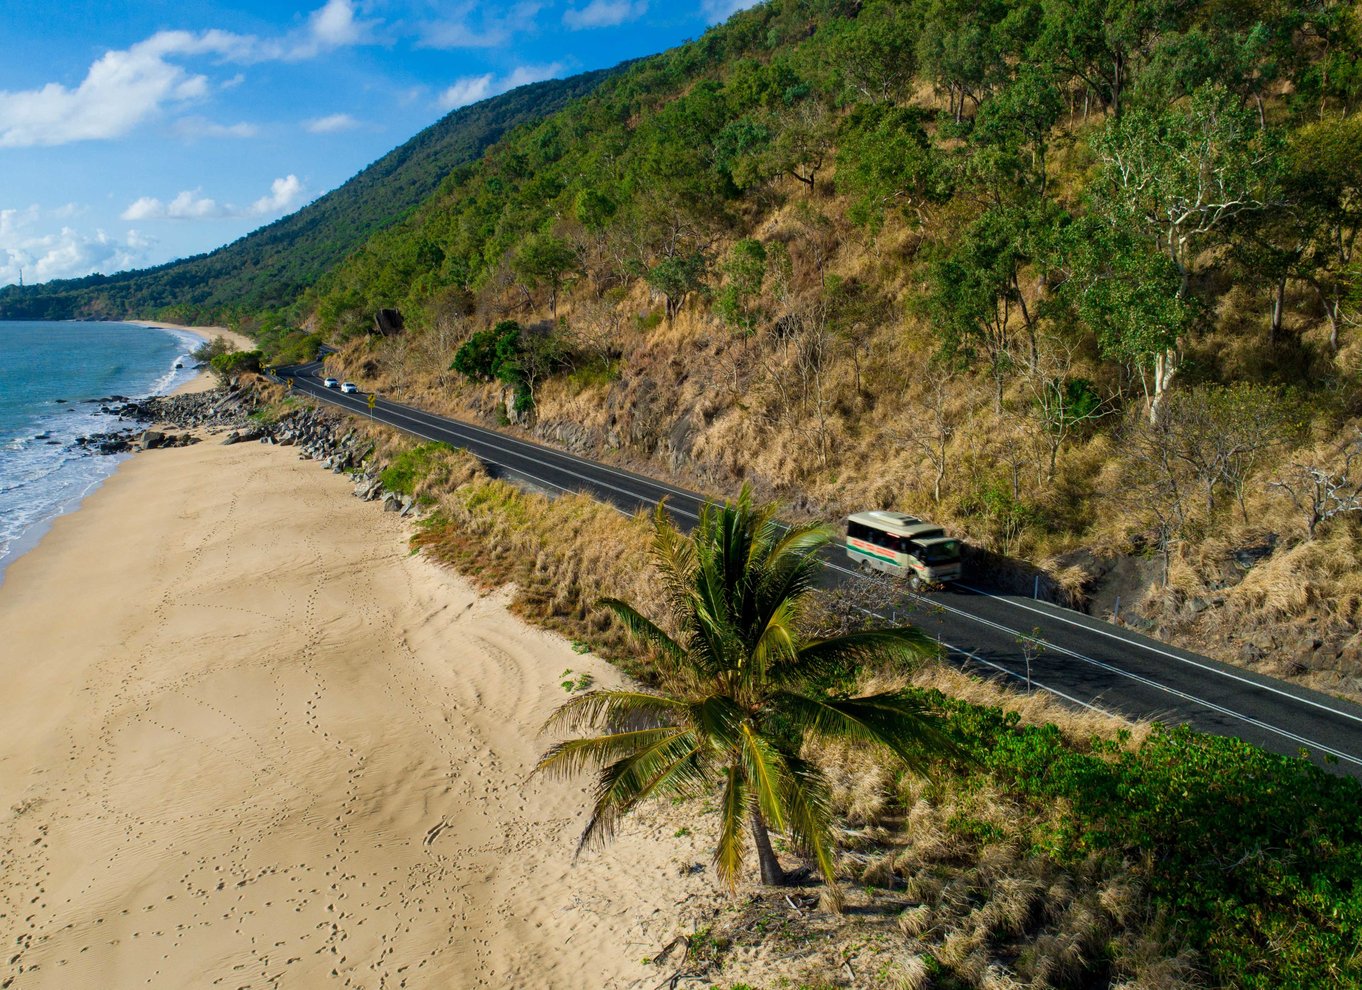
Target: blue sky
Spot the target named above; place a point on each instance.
(159, 130)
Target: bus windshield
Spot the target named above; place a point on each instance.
(943, 552)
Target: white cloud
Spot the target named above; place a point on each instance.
(284, 194)
(604, 13)
(721, 10)
(330, 124)
(200, 127)
(68, 253)
(478, 25)
(329, 27)
(335, 24)
(121, 90)
(125, 88)
(188, 205)
(471, 89)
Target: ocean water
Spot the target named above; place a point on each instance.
(48, 371)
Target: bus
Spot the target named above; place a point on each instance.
(903, 546)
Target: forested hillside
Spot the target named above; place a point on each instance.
(271, 266)
(1076, 278)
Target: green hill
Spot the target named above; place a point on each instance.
(271, 266)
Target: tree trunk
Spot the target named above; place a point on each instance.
(1165, 368)
(1278, 309)
(771, 873)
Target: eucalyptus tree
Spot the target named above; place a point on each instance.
(740, 688)
(1327, 172)
(1100, 43)
(976, 296)
(886, 160)
(1179, 178)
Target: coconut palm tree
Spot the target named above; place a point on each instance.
(739, 689)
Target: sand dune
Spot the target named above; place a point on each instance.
(247, 740)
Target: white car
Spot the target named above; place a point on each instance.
(350, 388)
(330, 383)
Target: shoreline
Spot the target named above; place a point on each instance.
(203, 381)
(264, 743)
(33, 535)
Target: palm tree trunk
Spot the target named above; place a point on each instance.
(771, 873)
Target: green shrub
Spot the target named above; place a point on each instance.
(234, 363)
(408, 468)
(1258, 857)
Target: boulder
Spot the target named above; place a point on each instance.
(152, 438)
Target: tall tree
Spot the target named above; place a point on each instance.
(885, 159)
(740, 688)
(1180, 177)
(1100, 43)
(1326, 175)
(976, 295)
(545, 260)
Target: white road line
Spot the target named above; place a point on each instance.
(1165, 653)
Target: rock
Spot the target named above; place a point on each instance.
(152, 439)
(408, 504)
(391, 503)
(1246, 557)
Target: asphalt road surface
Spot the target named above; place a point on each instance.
(1087, 662)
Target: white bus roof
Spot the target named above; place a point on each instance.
(897, 523)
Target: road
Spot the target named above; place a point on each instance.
(1085, 661)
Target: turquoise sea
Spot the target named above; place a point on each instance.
(48, 374)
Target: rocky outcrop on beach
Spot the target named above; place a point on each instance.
(319, 435)
(239, 412)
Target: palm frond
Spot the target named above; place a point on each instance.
(728, 851)
(868, 646)
(777, 641)
(674, 555)
(718, 720)
(574, 755)
(802, 540)
(767, 776)
(672, 765)
(907, 727)
(615, 708)
(809, 813)
(644, 630)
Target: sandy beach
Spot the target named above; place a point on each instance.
(248, 740)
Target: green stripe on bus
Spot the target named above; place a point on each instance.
(877, 556)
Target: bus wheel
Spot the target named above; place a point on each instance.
(915, 581)
(865, 567)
